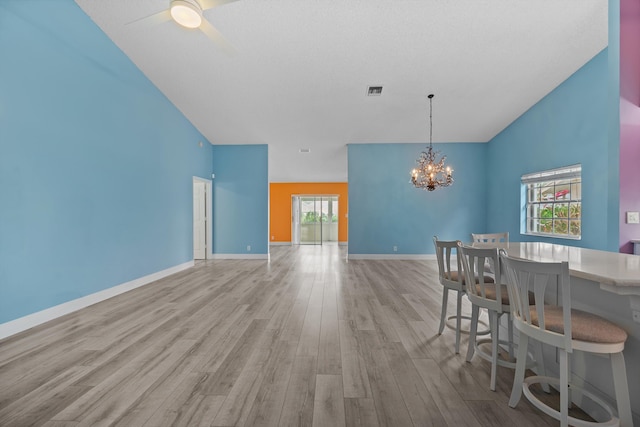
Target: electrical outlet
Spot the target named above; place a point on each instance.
(248, 248)
(636, 316)
(395, 249)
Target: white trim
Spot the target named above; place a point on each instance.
(240, 256)
(392, 256)
(31, 320)
(567, 172)
(554, 236)
(290, 244)
(549, 180)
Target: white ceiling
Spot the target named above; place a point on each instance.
(301, 68)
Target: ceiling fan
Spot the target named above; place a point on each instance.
(189, 14)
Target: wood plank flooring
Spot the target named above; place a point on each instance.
(307, 339)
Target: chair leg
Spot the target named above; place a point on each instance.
(569, 381)
(495, 339)
(475, 313)
(540, 364)
(510, 331)
(458, 321)
(518, 378)
(564, 387)
(443, 312)
(622, 389)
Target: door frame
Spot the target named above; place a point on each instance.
(321, 195)
(295, 230)
(208, 253)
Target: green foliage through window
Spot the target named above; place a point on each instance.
(312, 217)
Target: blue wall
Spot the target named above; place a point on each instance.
(96, 168)
(573, 124)
(240, 199)
(385, 210)
(568, 126)
(96, 164)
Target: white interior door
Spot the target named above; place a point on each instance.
(199, 221)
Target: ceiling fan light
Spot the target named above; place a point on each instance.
(186, 13)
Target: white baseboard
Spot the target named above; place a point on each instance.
(240, 256)
(289, 243)
(29, 321)
(392, 256)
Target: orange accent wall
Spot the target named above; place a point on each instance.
(280, 206)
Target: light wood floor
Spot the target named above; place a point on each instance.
(306, 339)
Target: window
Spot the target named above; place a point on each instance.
(554, 202)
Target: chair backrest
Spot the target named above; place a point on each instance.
(490, 237)
(476, 263)
(529, 276)
(448, 275)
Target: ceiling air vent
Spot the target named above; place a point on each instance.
(305, 150)
(374, 91)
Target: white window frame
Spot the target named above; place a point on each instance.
(555, 192)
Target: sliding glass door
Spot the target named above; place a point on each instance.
(314, 220)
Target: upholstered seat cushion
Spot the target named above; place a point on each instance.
(584, 326)
(490, 293)
(454, 276)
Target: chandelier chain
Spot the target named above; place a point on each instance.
(431, 121)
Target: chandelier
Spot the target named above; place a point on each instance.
(431, 174)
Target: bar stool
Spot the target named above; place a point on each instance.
(491, 295)
(489, 239)
(494, 297)
(451, 280)
(567, 330)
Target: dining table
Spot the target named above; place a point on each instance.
(614, 272)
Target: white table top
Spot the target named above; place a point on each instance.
(619, 273)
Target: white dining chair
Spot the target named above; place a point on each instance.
(451, 279)
(490, 237)
(567, 330)
(491, 295)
